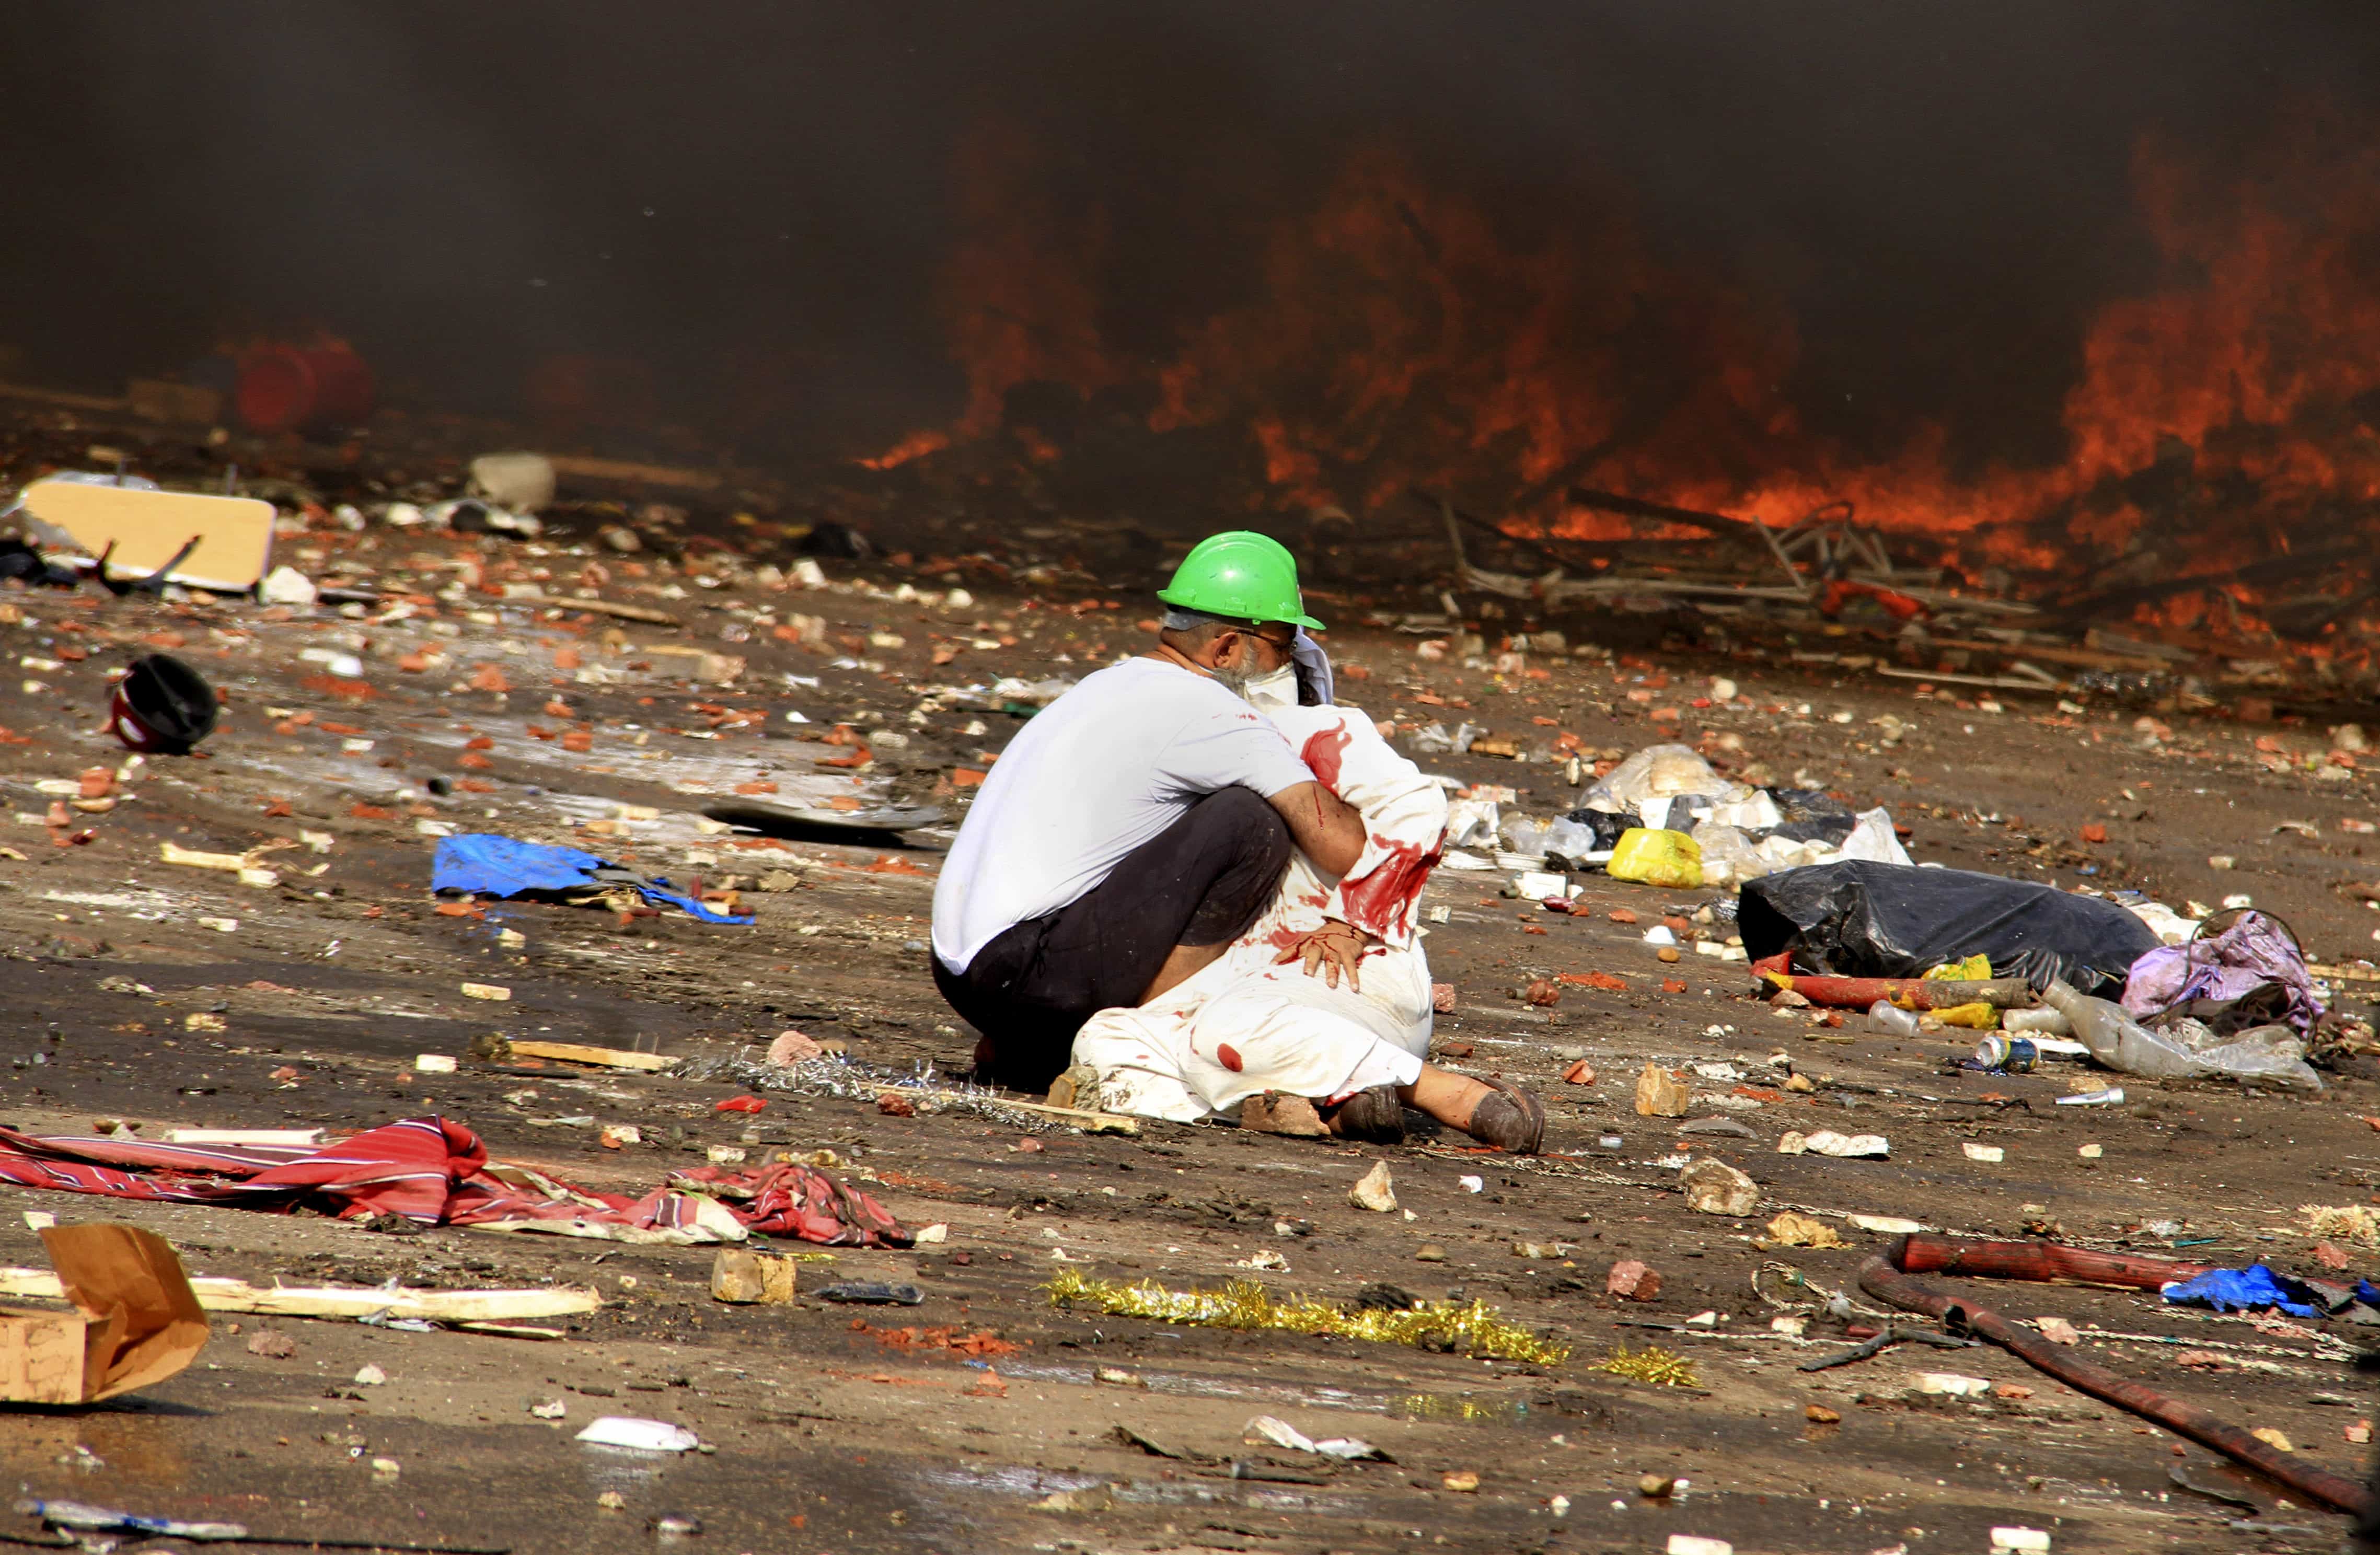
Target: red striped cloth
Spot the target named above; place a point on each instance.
(437, 1172)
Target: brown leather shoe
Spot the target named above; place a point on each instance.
(1374, 1116)
(1510, 1119)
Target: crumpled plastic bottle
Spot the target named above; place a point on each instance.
(2271, 1055)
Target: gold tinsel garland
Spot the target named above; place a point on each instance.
(1243, 1304)
(1652, 1364)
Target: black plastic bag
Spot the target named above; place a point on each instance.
(1606, 825)
(1812, 815)
(1861, 919)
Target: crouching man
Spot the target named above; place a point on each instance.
(1278, 1028)
(1138, 826)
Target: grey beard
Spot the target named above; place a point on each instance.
(1235, 681)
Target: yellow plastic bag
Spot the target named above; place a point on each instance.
(1670, 858)
(1976, 969)
(1978, 1016)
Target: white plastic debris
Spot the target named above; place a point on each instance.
(639, 1435)
(1280, 1433)
(1873, 839)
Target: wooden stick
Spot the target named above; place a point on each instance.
(220, 1295)
(1997, 682)
(607, 1057)
(645, 613)
(625, 469)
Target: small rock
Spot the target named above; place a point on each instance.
(552, 1409)
(1116, 1378)
(1441, 997)
(1820, 1414)
(1544, 991)
(1620, 914)
(1430, 1252)
(1580, 1074)
(1666, 952)
(611, 1500)
(1713, 1187)
(747, 1278)
(1659, 1485)
(1660, 1094)
(1985, 1153)
(386, 1468)
(2328, 1255)
(1375, 1189)
(2360, 1432)
(1461, 1481)
(2057, 1330)
(369, 1376)
(1801, 1085)
(792, 1047)
(2273, 1438)
(1094, 1498)
(677, 1524)
(1786, 999)
(273, 1344)
(1631, 1280)
(1802, 1231)
(892, 1104)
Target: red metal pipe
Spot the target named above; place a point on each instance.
(1886, 1278)
(1923, 1253)
(1858, 993)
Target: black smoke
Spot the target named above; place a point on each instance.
(738, 211)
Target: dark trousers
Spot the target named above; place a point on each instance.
(1201, 881)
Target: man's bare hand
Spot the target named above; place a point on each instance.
(1334, 948)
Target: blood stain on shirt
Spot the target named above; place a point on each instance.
(1228, 1056)
(1323, 753)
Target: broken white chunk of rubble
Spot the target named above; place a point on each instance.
(1374, 1189)
(1952, 1385)
(642, 1436)
(2020, 1541)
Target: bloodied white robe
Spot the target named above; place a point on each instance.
(1243, 1024)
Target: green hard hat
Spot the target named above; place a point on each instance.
(1242, 575)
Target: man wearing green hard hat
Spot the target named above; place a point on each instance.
(1138, 824)
(1142, 828)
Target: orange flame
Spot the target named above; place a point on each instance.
(1401, 339)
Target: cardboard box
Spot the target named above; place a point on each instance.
(135, 1320)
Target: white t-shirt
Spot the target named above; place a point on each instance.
(1097, 773)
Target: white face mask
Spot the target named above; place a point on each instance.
(1277, 689)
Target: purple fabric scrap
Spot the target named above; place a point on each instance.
(2254, 949)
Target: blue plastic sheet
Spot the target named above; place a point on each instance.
(2243, 1290)
(487, 865)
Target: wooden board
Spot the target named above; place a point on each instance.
(234, 534)
(610, 1058)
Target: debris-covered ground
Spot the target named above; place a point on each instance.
(451, 695)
